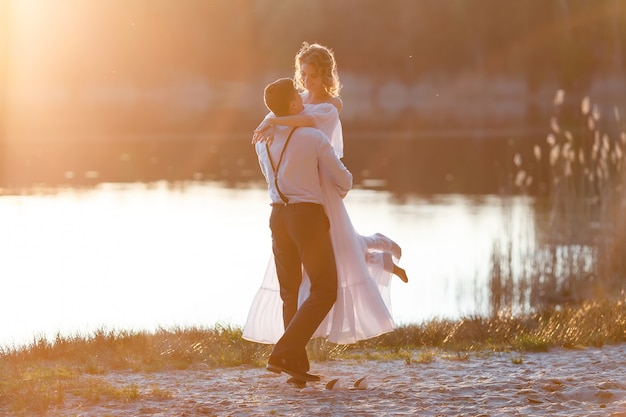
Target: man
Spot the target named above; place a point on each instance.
(299, 226)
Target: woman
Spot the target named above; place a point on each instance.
(364, 263)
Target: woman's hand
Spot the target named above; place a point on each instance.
(263, 133)
(264, 136)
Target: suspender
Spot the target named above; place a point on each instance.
(275, 169)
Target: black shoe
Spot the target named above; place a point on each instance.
(296, 382)
(279, 365)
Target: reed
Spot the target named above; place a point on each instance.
(575, 252)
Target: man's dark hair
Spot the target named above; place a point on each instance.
(278, 95)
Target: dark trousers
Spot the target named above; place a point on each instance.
(301, 238)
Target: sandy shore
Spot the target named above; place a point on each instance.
(581, 382)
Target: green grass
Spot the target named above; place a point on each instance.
(45, 373)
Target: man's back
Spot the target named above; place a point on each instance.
(307, 152)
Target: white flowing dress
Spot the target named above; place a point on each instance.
(364, 265)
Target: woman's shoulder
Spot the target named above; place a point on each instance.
(337, 102)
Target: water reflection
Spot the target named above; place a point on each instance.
(140, 256)
(402, 165)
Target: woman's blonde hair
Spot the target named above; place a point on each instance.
(323, 59)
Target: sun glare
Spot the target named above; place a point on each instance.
(30, 59)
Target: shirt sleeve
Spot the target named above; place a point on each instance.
(333, 165)
(326, 118)
(262, 155)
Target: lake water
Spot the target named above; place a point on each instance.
(144, 256)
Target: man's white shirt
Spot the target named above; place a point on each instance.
(308, 152)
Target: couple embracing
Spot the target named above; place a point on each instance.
(325, 280)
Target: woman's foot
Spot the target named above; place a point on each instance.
(401, 273)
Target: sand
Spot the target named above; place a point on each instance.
(561, 382)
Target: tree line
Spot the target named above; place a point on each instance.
(570, 40)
